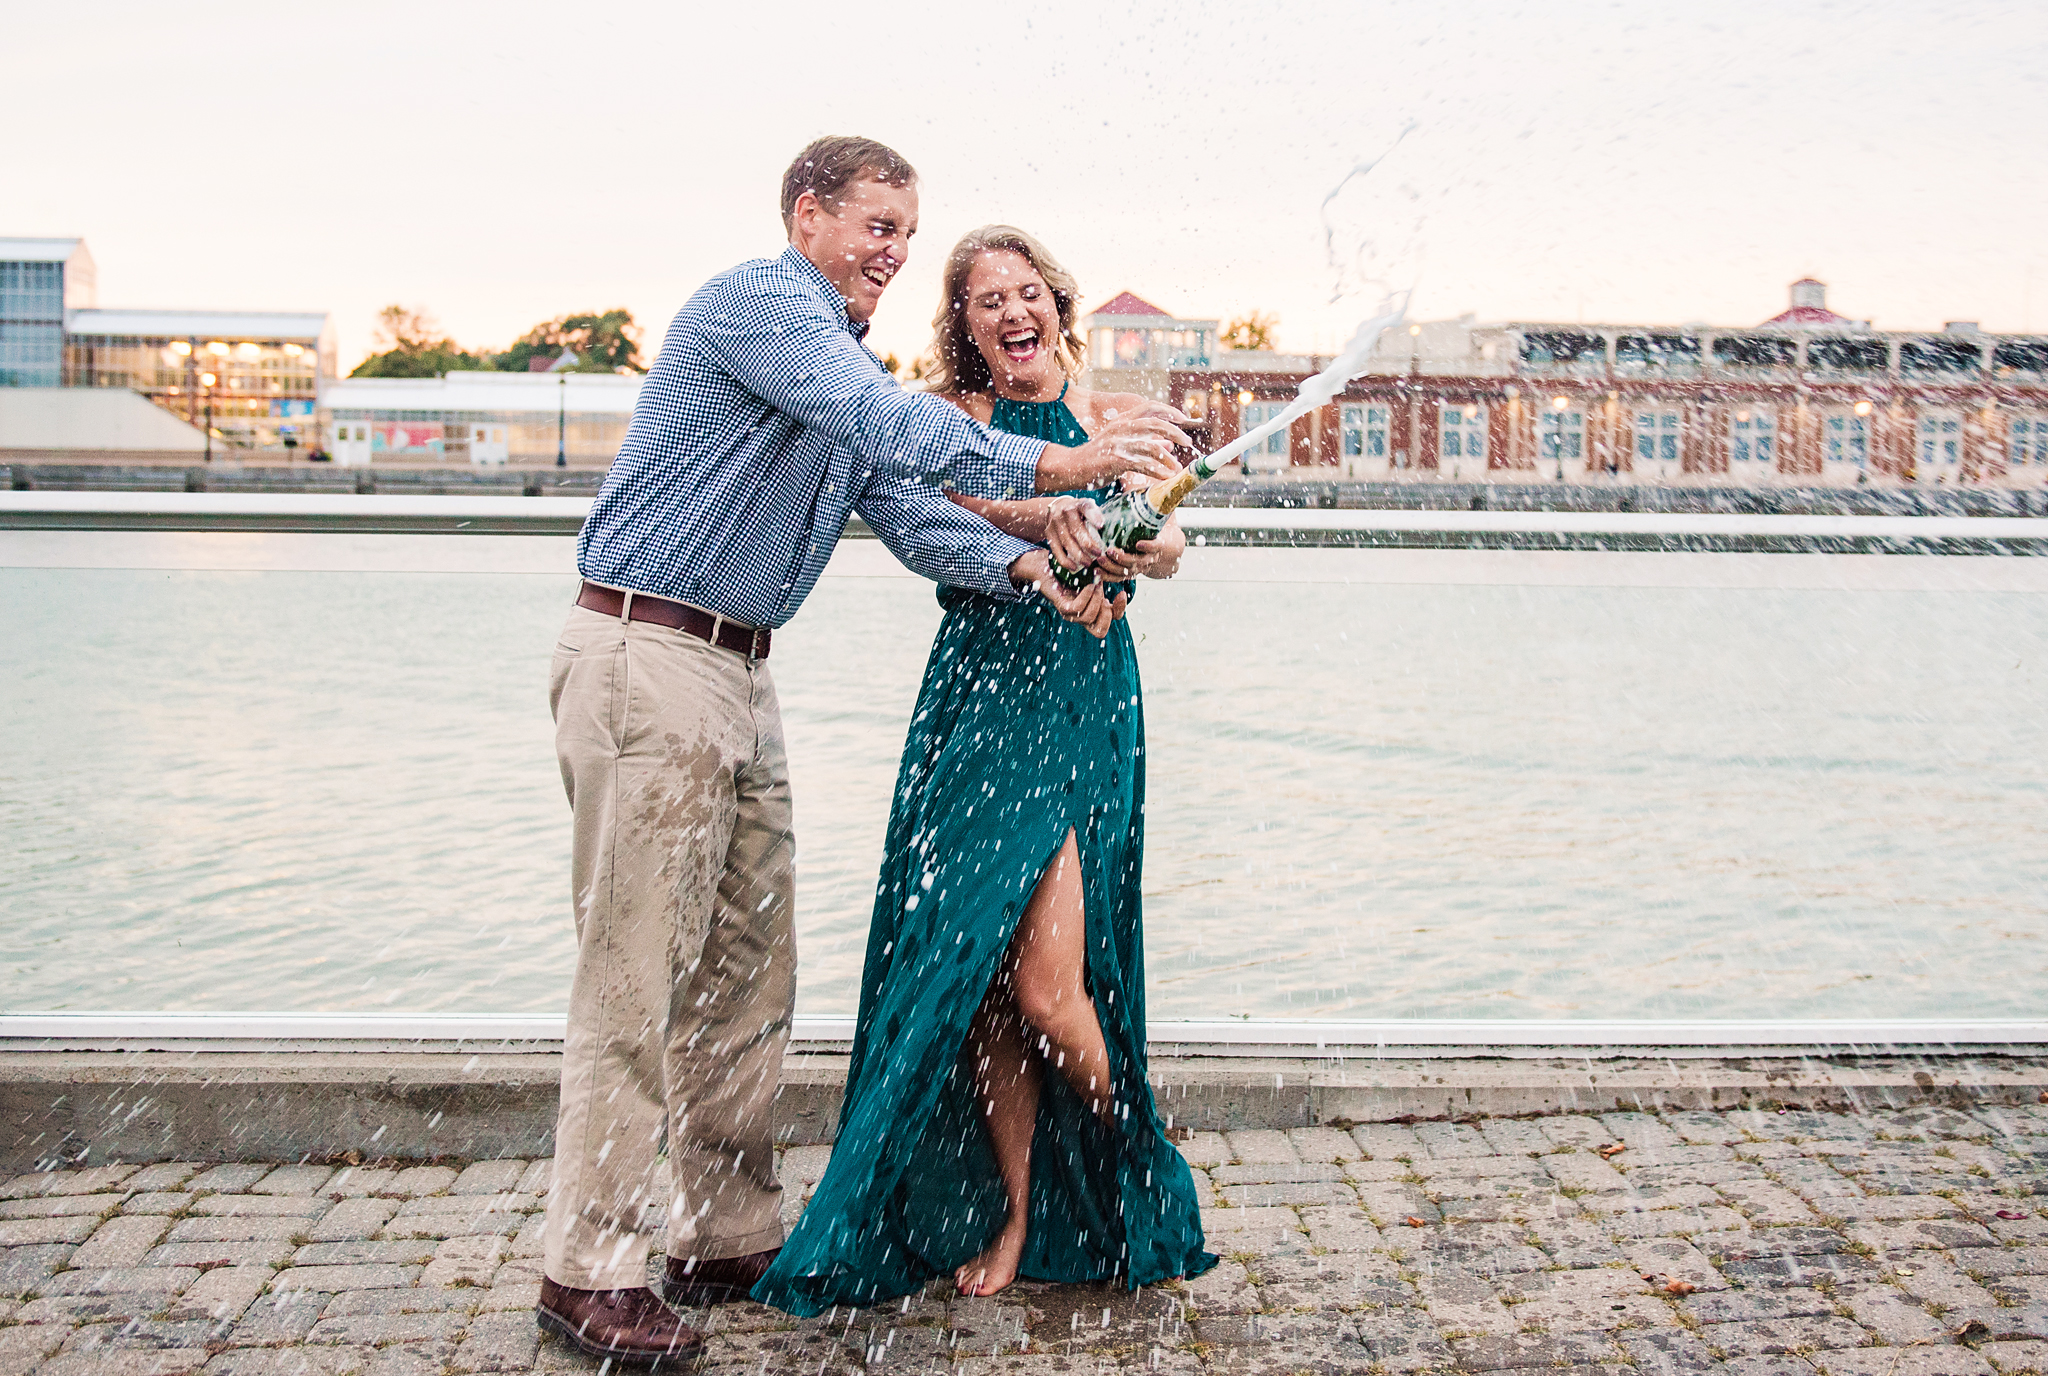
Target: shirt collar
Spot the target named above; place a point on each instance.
(808, 270)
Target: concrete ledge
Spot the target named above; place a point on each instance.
(92, 1107)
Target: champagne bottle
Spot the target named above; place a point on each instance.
(1132, 516)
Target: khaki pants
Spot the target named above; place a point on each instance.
(671, 750)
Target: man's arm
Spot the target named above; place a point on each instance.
(940, 539)
(781, 343)
(949, 544)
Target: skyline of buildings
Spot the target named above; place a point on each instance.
(1808, 395)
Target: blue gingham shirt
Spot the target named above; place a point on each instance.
(764, 420)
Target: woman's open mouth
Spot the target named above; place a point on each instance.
(1021, 345)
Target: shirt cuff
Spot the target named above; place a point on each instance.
(1009, 472)
(992, 563)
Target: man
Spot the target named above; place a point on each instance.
(763, 422)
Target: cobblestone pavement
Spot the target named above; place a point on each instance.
(1746, 1243)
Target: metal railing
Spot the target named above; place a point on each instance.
(1261, 526)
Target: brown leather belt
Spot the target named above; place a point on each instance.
(729, 635)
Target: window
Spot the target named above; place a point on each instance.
(1556, 349)
(1185, 348)
(1926, 356)
(31, 354)
(1272, 452)
(1562, 435)
(1133, 348)
(1753, 351)
(31, 324)
(1464, 439)
(2029, 443)
(1941, 445)
(1841, 354)
(1845, 439)
(1364, 433)
(1659, 436)
(1753, 437)
(1636, 354)
(2019, 356)
(32, 291)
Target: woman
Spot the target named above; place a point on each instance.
(1005, 942)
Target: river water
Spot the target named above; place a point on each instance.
(303, 773)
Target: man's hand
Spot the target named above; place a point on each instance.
(1088, 607)
(1140, 440)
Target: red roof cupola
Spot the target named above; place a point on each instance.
(1126, 304)
(1809, 306)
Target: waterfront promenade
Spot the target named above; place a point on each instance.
(1750, 1242)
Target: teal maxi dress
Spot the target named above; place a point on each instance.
(1025, 726)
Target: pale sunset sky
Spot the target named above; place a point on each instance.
(1639, 162)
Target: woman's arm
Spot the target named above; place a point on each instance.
(1065, 525)
(1023, 519)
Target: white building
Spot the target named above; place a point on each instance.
(478, 418)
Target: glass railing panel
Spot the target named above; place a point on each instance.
(1382, 784)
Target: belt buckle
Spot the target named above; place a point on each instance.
(754, 645)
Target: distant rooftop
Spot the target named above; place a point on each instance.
(1810, 306)
(39, 250)
(1124, 303)
(198, 324)
(485, 391)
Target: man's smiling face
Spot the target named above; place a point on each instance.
(861, 244)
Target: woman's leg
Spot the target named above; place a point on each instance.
(1050, 956)
(1037, 1005)
(1007, 1078)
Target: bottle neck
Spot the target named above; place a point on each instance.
(1164, 497)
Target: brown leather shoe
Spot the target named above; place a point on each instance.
(689, 1282)
(628, 1326)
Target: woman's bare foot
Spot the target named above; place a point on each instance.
(996, 1268)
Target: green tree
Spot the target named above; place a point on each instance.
(1252, 330)
(603, 342)
(412, 345)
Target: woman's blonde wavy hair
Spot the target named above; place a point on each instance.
(956, 364)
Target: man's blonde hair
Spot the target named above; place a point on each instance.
(829, 165)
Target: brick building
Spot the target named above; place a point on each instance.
(1806, 397)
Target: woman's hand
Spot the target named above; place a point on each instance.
(1122, 565)
(1158, 558)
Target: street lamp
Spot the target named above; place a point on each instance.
(1557, 404)
(207, 380)
(562, 364)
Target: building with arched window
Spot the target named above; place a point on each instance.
(1807, 397)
